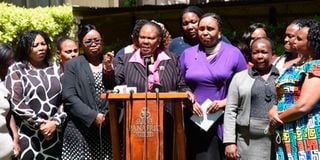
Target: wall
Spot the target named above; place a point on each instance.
(116, 23)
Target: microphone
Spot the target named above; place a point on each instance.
(148, 59)
(113, 91)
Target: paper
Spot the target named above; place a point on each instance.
(207, 120)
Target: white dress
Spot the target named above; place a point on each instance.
(6, 145)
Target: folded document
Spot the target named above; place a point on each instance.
(207, 120)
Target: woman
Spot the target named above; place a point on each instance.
(290, 55)
(208, 69)
(34, 84)
(299, 100)
(9, 147)
(189, 23)
(164, 72)
(82, 85)
(254, 31)
(135, 35)
(66, 49)
(251, 94)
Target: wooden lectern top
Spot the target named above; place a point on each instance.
(150, 95)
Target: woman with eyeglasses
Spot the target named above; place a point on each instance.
(66, 49)
(251, 94)
(34, 84)
(87, 132)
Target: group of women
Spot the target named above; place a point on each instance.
(271, 105)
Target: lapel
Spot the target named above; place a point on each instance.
(88, 74)
(162, 67)
(141, 69)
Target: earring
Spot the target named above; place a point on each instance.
(219, 36)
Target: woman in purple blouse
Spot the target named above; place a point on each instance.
(208, 69)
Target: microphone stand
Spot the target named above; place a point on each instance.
(147, 61)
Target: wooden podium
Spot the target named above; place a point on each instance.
(144, 125)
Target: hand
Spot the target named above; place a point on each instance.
(231, 152)
(274, 120)
(48, 128)
(216, 105)
(100, 119)
(196, 109)
(16, 148)
(107, 61)
(191, 97)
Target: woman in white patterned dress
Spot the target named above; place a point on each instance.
(34, 83)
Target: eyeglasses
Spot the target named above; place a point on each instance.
(89, 42)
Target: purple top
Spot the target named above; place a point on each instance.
(210, 78)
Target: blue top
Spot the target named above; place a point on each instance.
(178, 45)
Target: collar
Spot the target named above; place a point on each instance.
(253, 72)
(136, 57)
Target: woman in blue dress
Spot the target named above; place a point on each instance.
(299, 100)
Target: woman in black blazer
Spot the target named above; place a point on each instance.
(82, 85)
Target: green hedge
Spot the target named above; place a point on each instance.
(52, 20)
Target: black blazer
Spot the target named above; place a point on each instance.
(134, 74)
(78, 91)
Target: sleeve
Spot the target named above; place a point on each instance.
(182, 65)
(313, 68)
(108, 79)
(119, 71)
(60, 116)
(73, 103)
(231, 111)
(4, 105)
(15, 85)
(181, 84)
(241, 62)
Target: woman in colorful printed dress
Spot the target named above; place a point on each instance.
(35, 87)
(299, 100)
(290, 56)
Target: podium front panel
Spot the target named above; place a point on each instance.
(144, 130)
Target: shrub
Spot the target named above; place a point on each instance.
(52, 20)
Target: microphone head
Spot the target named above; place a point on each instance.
(148, 59)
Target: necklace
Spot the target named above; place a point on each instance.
(210, 52)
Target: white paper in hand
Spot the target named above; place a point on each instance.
(207, 120)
